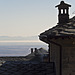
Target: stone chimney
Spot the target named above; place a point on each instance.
(36, 51)
(31, 50)
(63, 16)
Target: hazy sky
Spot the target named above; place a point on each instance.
(29, 17)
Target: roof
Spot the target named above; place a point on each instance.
(27, 68)
(60, 30)
(42, 51)
(21, 66)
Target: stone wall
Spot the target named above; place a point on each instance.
(68, 56)
(55, 57)
(68, 61)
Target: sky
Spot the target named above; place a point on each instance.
(29, 17)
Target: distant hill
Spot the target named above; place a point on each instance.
(7, 38)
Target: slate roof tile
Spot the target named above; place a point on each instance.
(26, 68)
(60, 30)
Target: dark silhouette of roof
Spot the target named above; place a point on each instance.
(21, 66)
(26, 68)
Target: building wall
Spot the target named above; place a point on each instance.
(68, 56)
(68, 61)
(55, 57)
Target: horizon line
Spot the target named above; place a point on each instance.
(21, 41)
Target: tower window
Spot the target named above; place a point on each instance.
(65, 11)
(61, 11)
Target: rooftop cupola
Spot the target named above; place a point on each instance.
(63, 16)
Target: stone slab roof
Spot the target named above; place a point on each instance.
(26, 68)
(60, 30)
(29, 65)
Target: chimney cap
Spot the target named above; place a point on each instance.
(63, 4)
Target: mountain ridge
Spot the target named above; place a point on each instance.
(6, 38)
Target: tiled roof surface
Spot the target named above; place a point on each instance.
(29, 65)
(26, 68)
(63, 30)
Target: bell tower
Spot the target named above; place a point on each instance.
(63, 16)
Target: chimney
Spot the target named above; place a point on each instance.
(63, 16)
(36, 51)
(31, 50)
